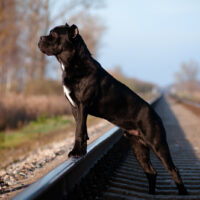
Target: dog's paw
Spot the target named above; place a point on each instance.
(78, 151)
(182, 190)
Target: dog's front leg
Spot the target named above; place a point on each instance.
(81, 136)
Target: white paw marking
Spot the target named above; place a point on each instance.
(67, 93)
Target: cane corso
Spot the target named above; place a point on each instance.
(91, 90)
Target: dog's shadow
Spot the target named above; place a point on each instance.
(181, 149)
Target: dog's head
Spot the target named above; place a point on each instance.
(60, 39)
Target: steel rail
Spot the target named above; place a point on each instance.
(186, 101)
(62, 179)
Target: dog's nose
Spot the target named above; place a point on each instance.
(41, 38)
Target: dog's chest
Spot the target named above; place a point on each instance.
(66, 90)
(67, 94)
(62, 67)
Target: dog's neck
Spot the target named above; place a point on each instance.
(62, 65)
(65, 64)
(77, 57)
(70, 64)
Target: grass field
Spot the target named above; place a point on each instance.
(34, 130)
(15, 144)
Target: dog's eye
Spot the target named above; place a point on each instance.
(53, 34)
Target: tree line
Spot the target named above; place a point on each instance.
(22, 22)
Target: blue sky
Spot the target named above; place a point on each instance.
(150, 39)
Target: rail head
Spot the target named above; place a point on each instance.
(73, 170)
(155, 100)
(188, 102)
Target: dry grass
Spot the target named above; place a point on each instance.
(16, 110)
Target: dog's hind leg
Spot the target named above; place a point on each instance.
(142, 155)
(163, 153)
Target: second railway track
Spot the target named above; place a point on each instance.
(110, 171)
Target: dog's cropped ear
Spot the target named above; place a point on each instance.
(66, 24)
(73, 31)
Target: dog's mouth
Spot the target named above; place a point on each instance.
(48, 47)
(43, 48)
(40, 45)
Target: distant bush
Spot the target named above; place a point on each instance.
(137, 86)
(16, 110)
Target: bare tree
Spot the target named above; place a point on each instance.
(9, 54)
(38, 17)
(22, 22)
(187, 77)
(35, 17)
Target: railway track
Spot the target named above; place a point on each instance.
(110, 171)
(194, 107)
(186, 101)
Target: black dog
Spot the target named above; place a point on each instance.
(91, 90)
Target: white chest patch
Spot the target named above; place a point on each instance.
(67, 94)
(62, 67)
